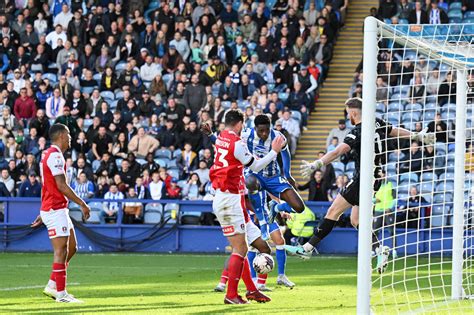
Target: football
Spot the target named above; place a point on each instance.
(263, 263)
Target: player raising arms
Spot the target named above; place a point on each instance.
(349, 196)
(228, 205)
(55, 214)
(271, 179)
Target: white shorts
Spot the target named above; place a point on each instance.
(57, 222)
(252, 232)
(229, 210)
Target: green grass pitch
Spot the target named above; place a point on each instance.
(171, 284)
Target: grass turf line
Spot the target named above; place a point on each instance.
(172, 284)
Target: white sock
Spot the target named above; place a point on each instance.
(61, 294)
(308, 247)
(52, 284)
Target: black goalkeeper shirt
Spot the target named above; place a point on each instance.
(354, 138)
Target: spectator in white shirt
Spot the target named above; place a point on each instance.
(149, 70)
(64, 17)
(18, 81)
(293, 127)
(52, 38)
(157, 187)
(40, 24)
(112, 207)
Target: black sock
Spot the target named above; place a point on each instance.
(323, 230)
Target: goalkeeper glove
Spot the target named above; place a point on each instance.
(427, 138)
(308, 168)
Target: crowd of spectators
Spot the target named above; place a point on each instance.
(134, 80)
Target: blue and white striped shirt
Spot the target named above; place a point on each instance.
(260, 148)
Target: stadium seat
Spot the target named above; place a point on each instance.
(182, 183)
(120, 67)
(87, 90)
(162, 162)
(403, 21)
(427, 187)
(141, 161)
(350, 166)
(440, 148)
(119, 95)
(154, 207)
(152, 217)
(95, 165)
(428, 197)
(174, 172)
(108, 95)
(440, 210)
(412, 178)
(447, 186)
(50, 76)
(163, 153)
(97, 77)
(414, 107)
(171, 211)
(455, 6)
(338, 166)
(447, 176)
(172, 163)
(380, 107)
(94, 217)
(438, 221)
(442, 198)
(429, 115)
(76, 214)
(455, 14)
(469, 14)
(428, 177)
(96, 206)
(296, 115)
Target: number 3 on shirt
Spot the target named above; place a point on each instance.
(221, 154)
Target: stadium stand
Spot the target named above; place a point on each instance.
(133, 80)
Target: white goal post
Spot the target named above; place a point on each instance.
(432, 267)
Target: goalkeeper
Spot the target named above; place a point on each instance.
(349, 196)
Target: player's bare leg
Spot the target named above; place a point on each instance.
(279, 242)
(236, 266)
(337, 208)
(51, 288)
(292, 203)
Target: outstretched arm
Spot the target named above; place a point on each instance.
(308, 168)
(424, 136)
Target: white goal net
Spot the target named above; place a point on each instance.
(417, 77)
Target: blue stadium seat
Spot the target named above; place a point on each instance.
(169, 209)
(403, 21)
(429, 115)
(455, 6)
(427, 187)
(172, 163)
(141, 161)
(380, 107)
(87, 89)
(455, 20)
(440, 148)
(163, 162)
(428, 197)
(76, 214)
(338, 166)
(174, 172)
(154, 207)
(441, 209)
(442, 198)
(447, 176)
(447, 186)
(96, 206)
(350, 166)
(412, 178)
(428, 177)
(108, 95)
(120, 67)
(152, 217)
(163, 153)
(296, 115)
(395, 107)
(50, 76)
(119, 95)
(414, 107)
(94, 217)
(469, 14)
(455, 14)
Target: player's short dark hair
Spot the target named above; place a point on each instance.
(57, 129)
(355, 102)
(233, 117)
(261, 119)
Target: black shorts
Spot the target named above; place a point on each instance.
(351, 191)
